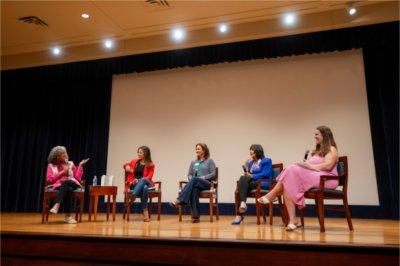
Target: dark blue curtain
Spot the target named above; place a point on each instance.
(38, 115)
(69, 104)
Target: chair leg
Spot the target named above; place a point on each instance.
(236, 202)
(150, 206)
(262, 211)
(284, 214)
(302, 217)
(216, 209)
(124, 209)
(271, 213)
(81, 209)
(180, 212)
(43, 210)
(321, 213)
(128, 209)
(47, 209)
(159, 207)
(347, 213)
(211, 209)
(258, 210)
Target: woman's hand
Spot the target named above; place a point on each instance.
(65, 170)
(83, 162)
(135, 181)
(306, 164)
(248, 175)
(128, 169)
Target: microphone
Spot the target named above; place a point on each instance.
(69, 169)
(306, 154)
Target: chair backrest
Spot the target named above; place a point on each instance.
(216, 180)
(277, 168)
(342, 169)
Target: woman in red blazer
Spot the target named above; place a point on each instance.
(139, 177)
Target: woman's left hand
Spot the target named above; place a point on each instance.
(83, 161)
(307, 165)
(248, 175)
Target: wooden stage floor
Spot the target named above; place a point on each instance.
(367, 232)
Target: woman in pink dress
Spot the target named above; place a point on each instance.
(298, 178)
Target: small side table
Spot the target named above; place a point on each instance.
(95, 192)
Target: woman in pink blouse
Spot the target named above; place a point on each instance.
(64, 177)
(298, 178)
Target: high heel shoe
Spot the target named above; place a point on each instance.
(265, 200)
(238, 221)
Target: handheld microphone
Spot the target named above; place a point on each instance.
(306, 154)
(69, 169)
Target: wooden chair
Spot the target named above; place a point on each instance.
(321, 193)
(211, 194)
(259, 192)
(50, 194)
(152, 193)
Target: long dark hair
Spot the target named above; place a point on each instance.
(258, 150)
(327, 141)
(146, 154)
(205, 149)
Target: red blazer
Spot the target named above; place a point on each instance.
(147, 172)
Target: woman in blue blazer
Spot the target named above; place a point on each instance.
(257, 167)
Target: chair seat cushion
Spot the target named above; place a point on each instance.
(327, 190)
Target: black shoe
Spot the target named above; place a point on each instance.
(195, 220)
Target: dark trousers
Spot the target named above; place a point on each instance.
(141, 190)
(244, 187)
(65, 195)
(190, 194)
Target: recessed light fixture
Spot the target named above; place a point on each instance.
(108, 43)
(85, 15)
(178, 34)
(223, 28)
(56, 50)
(352, 10)
(289, 19)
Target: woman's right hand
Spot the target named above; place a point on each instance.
(65, 170)
(128, 169)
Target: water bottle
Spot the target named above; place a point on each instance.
(94, 181)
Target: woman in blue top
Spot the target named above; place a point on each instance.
(257, 167)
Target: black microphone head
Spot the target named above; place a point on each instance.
(306, 154)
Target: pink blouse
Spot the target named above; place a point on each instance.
(55, 177)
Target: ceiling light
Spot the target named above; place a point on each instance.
(178, 34)
(108, 43)
(85, 16)
(223, 28)
(56, 50)
(289, 19)
(352, 10)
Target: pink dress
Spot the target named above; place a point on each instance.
(297, 180)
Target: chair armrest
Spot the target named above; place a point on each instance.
(158, 184)
(324, 178)
(213, 185)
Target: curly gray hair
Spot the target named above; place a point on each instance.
(55, 153)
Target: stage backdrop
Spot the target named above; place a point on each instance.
(277, 103)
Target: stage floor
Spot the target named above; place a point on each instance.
(367, 232)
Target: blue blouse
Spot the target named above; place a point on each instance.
(262, 170)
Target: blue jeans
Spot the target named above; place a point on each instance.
(190, 194)
(141, 190)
